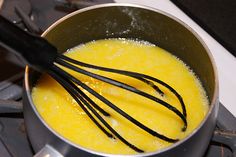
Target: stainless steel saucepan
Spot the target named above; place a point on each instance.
(126, 21)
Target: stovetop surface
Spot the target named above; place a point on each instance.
(13, 138)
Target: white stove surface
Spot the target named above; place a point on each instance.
(225, 62)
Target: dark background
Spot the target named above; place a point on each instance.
(217, 17)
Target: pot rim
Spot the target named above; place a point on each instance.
(212, 104)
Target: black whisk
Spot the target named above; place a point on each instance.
(42, 56)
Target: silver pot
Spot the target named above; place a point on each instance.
(126, 21)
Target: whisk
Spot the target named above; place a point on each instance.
(42, 56)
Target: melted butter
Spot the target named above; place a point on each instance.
(64, 115)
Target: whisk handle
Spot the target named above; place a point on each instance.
(34, 50)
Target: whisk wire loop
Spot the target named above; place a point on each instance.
(111, 105)
(125, 86)
(75, 93)
(141, 77)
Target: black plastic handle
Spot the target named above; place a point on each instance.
(36, 51)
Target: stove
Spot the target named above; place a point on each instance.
(35, 16)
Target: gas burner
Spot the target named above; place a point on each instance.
(8, 9)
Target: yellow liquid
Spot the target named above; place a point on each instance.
(64, 115)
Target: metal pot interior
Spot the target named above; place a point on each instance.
(135, 23)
